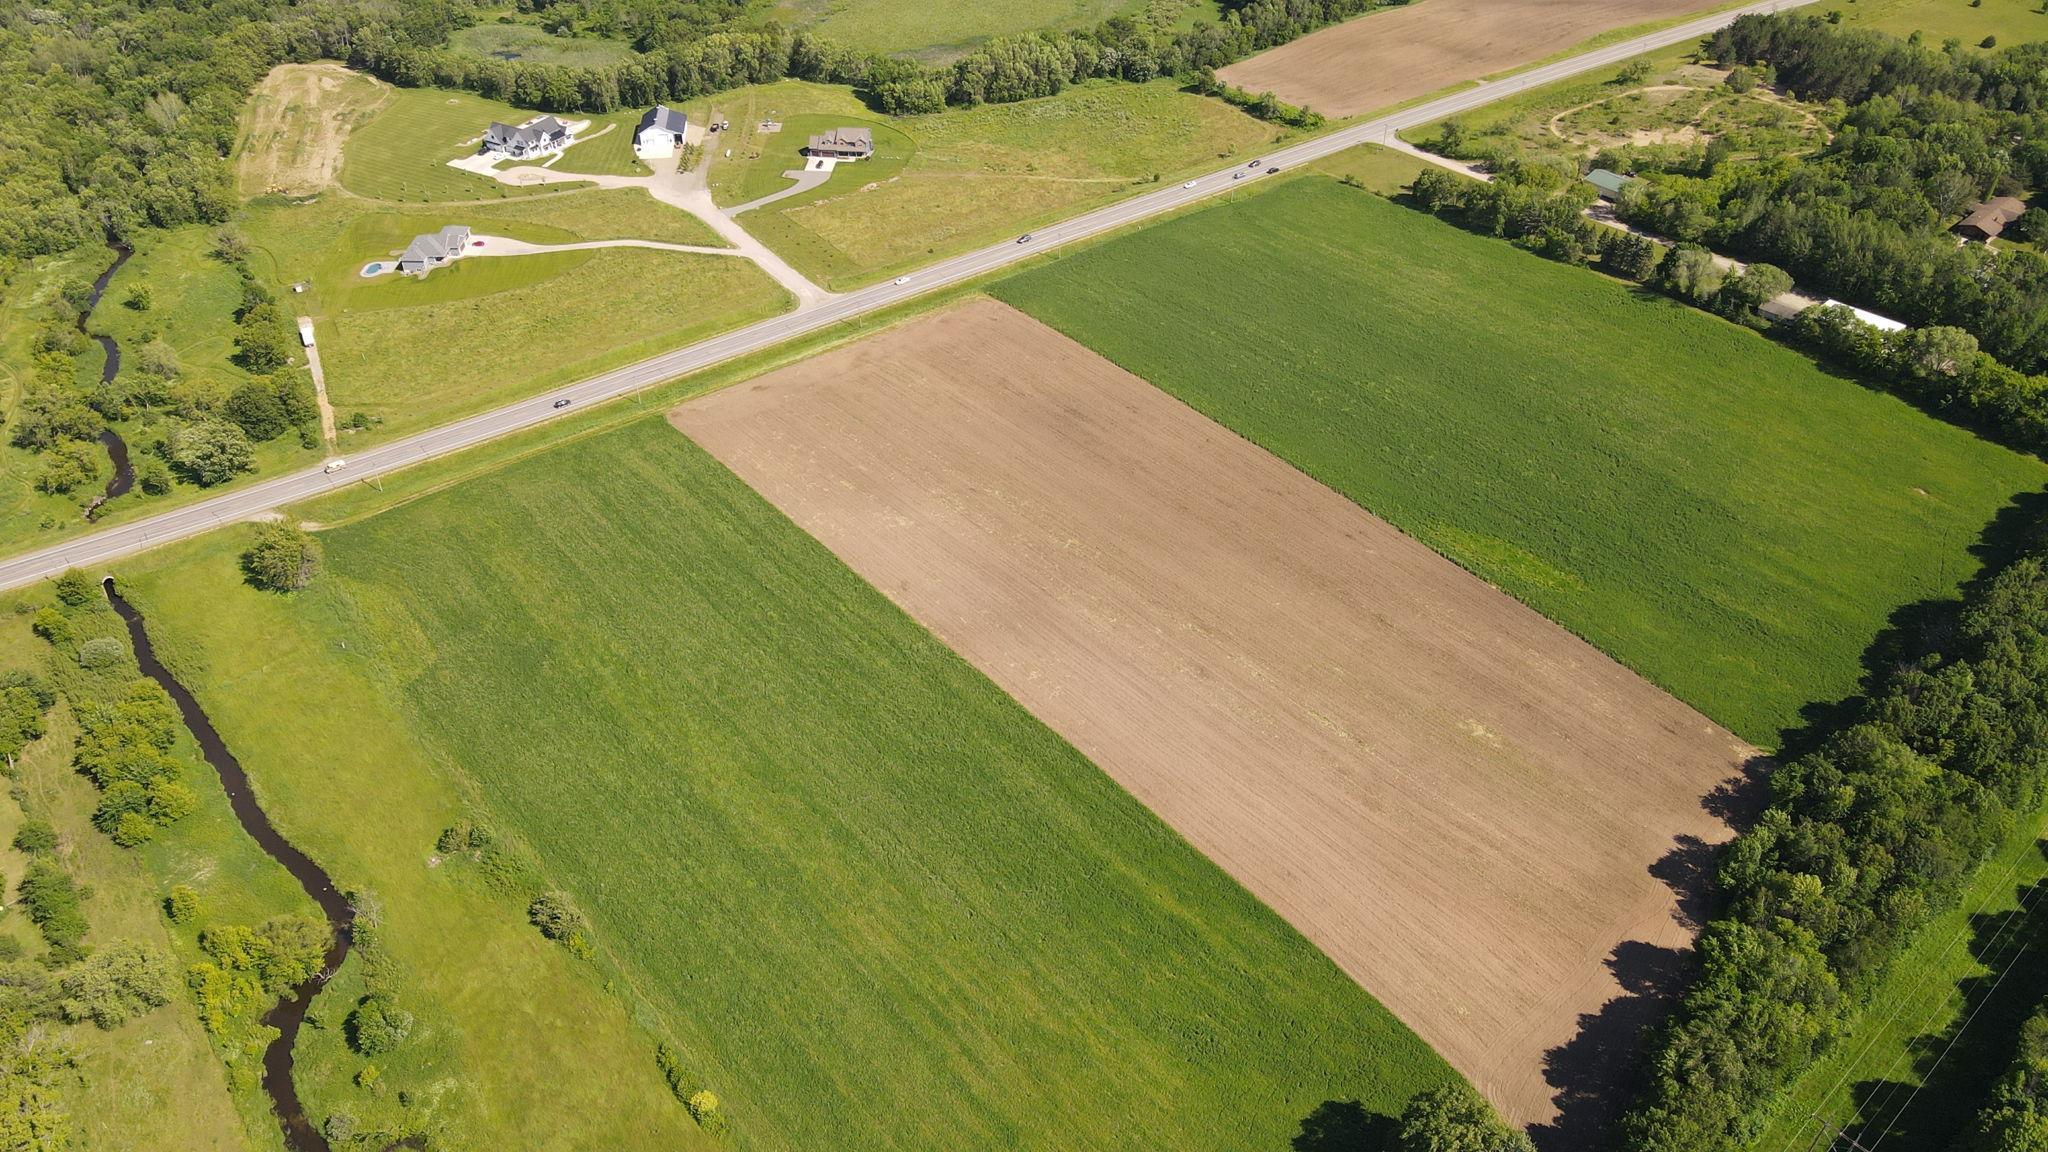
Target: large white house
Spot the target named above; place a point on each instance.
(534, 138)
(660, 133)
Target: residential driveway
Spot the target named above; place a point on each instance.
(506, 246)
(806, 179)
(687, 191)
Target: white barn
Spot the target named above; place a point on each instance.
(660, 133)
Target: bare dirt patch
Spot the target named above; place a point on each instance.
(1389, 57)
(1463, 805)
(295, 125)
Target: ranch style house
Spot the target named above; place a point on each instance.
(1988, 219)
(433, 249)
(843, 144)
(547, 134)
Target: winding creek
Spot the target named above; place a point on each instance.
(117, 448)
(290, 1012)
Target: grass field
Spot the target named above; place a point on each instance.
(517, 1044)
(936, 31)
(155, 1083)
(1709, 508)
(417, 366)
(402, 152)
(872, 901)
(1904, 1080)
(533, 45)
(606, 149)
(971, 177)
(2011, 21)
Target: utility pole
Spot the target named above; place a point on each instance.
(1837, 1136)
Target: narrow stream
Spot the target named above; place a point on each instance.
(117, 449)
(290, 1012)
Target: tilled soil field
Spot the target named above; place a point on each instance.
(1466, 807)
(1394, 56)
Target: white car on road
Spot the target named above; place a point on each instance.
(335, 466)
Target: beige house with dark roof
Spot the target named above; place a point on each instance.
(843, 144)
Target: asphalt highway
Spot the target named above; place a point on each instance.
(239, 503)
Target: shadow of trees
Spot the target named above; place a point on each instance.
(1345, 1126)
(1956, 1066)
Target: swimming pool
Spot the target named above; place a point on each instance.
(372, 268)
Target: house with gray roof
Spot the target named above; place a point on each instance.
(534, 138)
(660, 132)
(843, 144)
(433, 249)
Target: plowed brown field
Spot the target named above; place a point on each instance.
(1458, 801)
(1394, 56)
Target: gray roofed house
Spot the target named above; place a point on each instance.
(1988, 219)
(547, 134)
(1608, 184)
(843, 144)
(660, 132)
(433, 249)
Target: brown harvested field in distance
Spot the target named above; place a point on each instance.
(295, 124)
(1458, 801)
(1396, 55)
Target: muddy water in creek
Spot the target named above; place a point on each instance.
(117, 449)
(290, 1012)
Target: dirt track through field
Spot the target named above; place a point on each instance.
(1390, 57)
(295, 124)
(1458, 801)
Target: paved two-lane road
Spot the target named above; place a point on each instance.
(97, 548)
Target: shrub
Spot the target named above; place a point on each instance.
(117, 983)
(282, 559)
(101, 652)
(703, 1105)
(559, 920)
(376, 1025)
(153, 478)
(182, 905)
(35, 837)
(52, 900)
(1453, 1118)
(53, 626)
(75, 588)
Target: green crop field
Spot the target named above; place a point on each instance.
(869, 898)
(403, 152)
(1710, 508)
(951, 181)
(936, 31)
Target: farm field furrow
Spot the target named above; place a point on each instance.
(1381, 747)
(1387, 57)
(870, 899)
(1711, 509)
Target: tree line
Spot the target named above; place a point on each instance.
(1919, 136)
(1540, 205)
(1863, 840)
(2016, 1118)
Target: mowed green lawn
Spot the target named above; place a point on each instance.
(954, 180)
(1710, 508)
(403, 152)
(874, 903)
